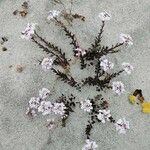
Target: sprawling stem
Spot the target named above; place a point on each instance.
(108, 78)
(106, 50)
(69, 34)
(98, 38)
(101, 84)
(91, 55)
(64, 77)
(62, 61)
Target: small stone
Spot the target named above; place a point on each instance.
(19, 68)
(25, 5)
(15, 12)
(4, 49)
(23, 13)
(10, 66)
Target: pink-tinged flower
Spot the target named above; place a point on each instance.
(90, 145)
(126, 38)
(34, 103)
(80, 52)
(118, 87)
(29, 31)
(105, 16)
(86, 105)
(59, 108)
(47, 64)
(104, 115)
(128, 68)
(45, 107)
(105, 64)
(122, 125)
(53, 14)
(44, 93)
(51, 124)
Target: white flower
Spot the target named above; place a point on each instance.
(47, 63)
(122, 125)
(34, 102)
(104, 115)
(59, 108)
(86, 105)
(105, 64)
(53, 14)
(128, 68)
(45, 107)
(126, 38)
(90, 145)
(43, 93)
(118, 87)
(29, 31)
(104, 16)
(51, 124)
(80, 52)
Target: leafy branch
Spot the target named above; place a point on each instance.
(70, 105)
(64, 77)
(98, 38)
(101, 84)
(106, 50)
(60, 56)
(69, 34)
(108, 78)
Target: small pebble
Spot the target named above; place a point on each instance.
(4, 49)
(19, 68)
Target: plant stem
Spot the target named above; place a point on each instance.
(110, 77)
(97, 40)
(64, 77)
(61, 61)
(69, 34)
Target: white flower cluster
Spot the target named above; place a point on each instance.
(90, 145)
(126, 38)
(53, 14)
(80, 52)
(118, 87)
(51, 124)
(123, 38)
(29, 31)
(86, 105)
(104, 115)
(128, 68)
(122, 125)
(59, 108)
(47, 64)
(40, 105)
(104, 16)
(105, 64)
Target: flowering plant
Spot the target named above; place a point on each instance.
(94, 56)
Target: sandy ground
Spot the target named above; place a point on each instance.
(17, 131)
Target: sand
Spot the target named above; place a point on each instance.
(17, 131)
